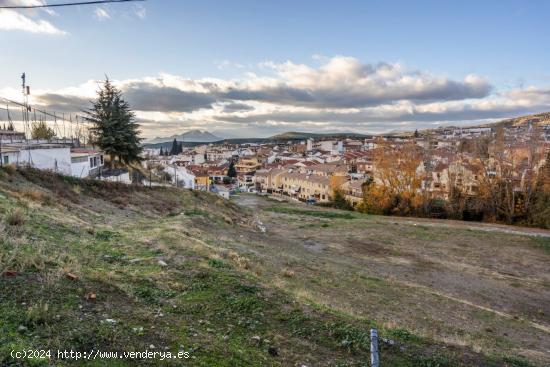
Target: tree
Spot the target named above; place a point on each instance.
(175, 148)
(115, 129)
(231, 171)
(41, 131)
(161, 152)
(339, 201)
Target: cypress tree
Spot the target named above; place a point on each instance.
(174, 150)
(231, 171)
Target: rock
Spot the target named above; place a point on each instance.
(133, 261)
(72, 277)
(22, 328)
(91, 296)
(151, 346)
(162, 263)
(273, 351)
(256, 339)
(110, 321)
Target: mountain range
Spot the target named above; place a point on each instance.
(191, 136)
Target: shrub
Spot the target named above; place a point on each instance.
(10, 169)
(33, 194)
(15, 218)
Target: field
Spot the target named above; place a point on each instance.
(256, 282)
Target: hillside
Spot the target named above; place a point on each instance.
(540, 119)
(93, 265)
(191, 136)
(294, 135)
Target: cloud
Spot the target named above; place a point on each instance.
(101, 14)
(151, 97)
(341, 93)
(27, 20)
(140, 11)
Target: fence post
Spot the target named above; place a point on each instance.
(374, 348)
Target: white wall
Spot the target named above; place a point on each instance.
(55, 159)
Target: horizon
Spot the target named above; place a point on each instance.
(258, 69)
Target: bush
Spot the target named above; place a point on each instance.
(10, 169)
(33, 194)
(15, 218)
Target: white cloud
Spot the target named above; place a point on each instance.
(101, 14)
(340, 94)
(12, 20)
(140, 11)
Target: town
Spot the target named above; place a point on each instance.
(433, 165)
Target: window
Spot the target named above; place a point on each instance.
(101, 160)
(78, 159)
(6, 159)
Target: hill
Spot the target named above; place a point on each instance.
(95, 265)
(191, 136)
(293, 135)
(540, 119)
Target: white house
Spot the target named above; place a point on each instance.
(54, 157)
(86, 162)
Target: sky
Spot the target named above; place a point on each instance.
(249, 68)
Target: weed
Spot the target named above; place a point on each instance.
(38, 314)
(288, 273)
(403, 335)
(16, 217)
(215, 263)
(105, 235)
(517, 361)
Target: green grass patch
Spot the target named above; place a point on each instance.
(312, 213)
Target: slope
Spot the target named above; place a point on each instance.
(91, 265)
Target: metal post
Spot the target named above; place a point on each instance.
(374, 348)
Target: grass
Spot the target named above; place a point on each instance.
(543, 243)
(312, 213)
(215, 296)
(15, 217)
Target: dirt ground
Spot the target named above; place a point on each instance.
(477, 285)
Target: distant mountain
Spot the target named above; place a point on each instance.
(191, 136)
(295, 135)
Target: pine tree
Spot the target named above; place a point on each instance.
(114, 129)
(161, 152)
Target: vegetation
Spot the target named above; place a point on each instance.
(115, 129)
(41, 131)
(101, 265)
(339, 201)
(399, 187)
(231, 171)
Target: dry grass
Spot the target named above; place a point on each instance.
(15, 217)
(288, 273)
(10, 169)
(241, 261)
